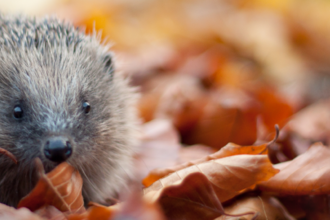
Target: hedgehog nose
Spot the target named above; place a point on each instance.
(58, 149)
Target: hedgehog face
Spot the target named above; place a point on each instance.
(61, 101)
(58, 105)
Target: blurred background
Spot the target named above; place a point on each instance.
(216, 71)
(219, 70)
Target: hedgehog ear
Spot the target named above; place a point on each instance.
(108, 65)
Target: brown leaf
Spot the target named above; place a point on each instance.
(263, 208)
(60, 188)
(274, 108)
(310, 207)
(9, 213)
(316, 207)
(307, 174)
(312, 122)
(220, 124)
(182, 101)
(229, 150)
(229, 176)
(198, 114)
(178, 98)
(293, 205)
(159, 147)
(192, 198)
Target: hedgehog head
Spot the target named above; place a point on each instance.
(58, 90)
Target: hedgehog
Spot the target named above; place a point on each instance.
(62, 100)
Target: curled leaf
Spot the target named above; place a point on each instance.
(229, 176)
(60, 188)
(193, 198)
(262, 208)
(307, 174)
(229, 150)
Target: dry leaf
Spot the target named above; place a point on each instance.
(220, 124)
(307, 206)
(237, 45)
(159, 147)
(182, 101)
(60, 188)
(307, 174)
(274, 109)
(193, 198)
(316, 207)
(229, 176)
(199, 115)
(312, 122)
(264, 208)
(229, 150)
(293, 205)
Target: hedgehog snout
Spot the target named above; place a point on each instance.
(58, 149)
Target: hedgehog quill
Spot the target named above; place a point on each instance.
(60, 100)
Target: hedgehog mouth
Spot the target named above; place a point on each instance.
(48, 167)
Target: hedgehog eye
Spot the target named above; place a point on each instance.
(18, 112)
(86, 107)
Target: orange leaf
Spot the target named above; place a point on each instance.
(229, 176)
(307, 174)
(183, 101)
(95, 212)
(234, 124)
(229, 150)
(274, 108)
(263, 208)
(312, 122)
(60, 188)
(193, 198)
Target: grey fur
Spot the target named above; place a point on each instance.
(50, 68)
